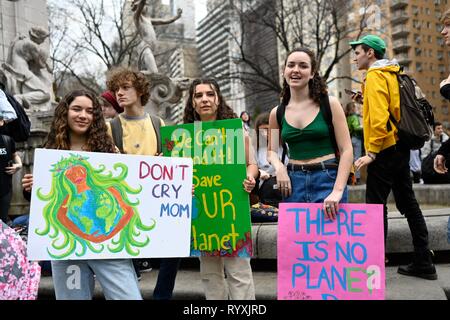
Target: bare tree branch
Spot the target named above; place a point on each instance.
(89, 30)
(320, 25)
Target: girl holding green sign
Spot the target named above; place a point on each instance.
(205, 103)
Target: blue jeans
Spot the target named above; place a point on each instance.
(357, 147)
(313, 186)
(74, 279)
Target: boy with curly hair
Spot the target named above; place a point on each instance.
(136, 132)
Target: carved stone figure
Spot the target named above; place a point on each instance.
(26, 73)
(163, 89)
(144, 26)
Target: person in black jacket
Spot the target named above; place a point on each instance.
(10, 163)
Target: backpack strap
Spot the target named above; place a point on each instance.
(117, 133)
(156, 121)
(391, 117)
(325, 108)
(281, 109)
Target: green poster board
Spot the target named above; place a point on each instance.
(221, 210)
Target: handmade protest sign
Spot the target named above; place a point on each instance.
(320, 259)
(88, 205)
(221, 212)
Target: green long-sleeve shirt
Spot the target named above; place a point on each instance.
(354, 125)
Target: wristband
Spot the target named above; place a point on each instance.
(371, 155)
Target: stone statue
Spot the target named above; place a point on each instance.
(144, 26)
(163, 89)
(26, 73)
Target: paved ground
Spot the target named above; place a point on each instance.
(188, 285)
(399, 287)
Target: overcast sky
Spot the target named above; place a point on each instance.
(200, 9)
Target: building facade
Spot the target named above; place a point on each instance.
(182, 64)
(223, 37)
(176, 55)
(411, 29)
(260, 45)
(216, 48)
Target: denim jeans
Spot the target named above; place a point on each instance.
(74, 279)
(357, 148)
(166, 278)
(390, 171)
(313, 186)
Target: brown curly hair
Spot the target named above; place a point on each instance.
(317, 85)
(224, 111)
(120, 75)
(98, 139)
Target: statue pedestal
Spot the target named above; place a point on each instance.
(40, 125)
(164, 90)
(26, 149)
(41, 120)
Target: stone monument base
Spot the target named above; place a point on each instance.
(40, 126)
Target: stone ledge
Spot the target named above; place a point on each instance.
(437, 194)
(188, 285)
(399, 237)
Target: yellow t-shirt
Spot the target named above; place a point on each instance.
(139, 135)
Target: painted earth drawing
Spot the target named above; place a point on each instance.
(88, 206)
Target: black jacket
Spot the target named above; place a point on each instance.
(445, 91)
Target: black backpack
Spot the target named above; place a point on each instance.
(328, 116)
(416, 115)
(18, 129)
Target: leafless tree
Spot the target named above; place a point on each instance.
(324, 26)
(87, 38)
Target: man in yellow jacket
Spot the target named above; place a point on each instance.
(387, 160)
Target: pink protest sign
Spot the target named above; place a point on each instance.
(320, 259)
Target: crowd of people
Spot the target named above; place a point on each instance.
(306, 149)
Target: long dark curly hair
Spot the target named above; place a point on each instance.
(224, 111)
(317, 85)
(98, 139)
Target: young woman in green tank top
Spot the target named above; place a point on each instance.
(313, 173)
